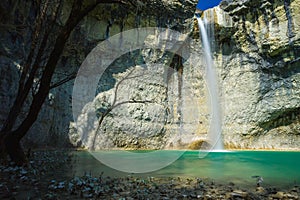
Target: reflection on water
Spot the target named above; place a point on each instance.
(277, 168)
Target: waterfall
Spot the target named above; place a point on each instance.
(215, 130)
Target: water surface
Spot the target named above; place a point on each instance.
(278, 168)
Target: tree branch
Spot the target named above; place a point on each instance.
(63, 81)
(114, 104)
(24, 87)
(109, 110)
(35, 36)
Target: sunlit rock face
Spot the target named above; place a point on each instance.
(260, 78)
(255, 45)
(256, 53)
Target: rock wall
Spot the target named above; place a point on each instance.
(256, 53)
(260, 77)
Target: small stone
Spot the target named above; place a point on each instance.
(23, 172)
(271, 190)
(16, 187)
(193, 196)
(278, 195)
(290, 196)
(239, 193)
(24, 178)
(260, 190)
(228, 195)
(61, 185)
(86, 195)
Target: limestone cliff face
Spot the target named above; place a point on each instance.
(257, 59)
(55, 120)
(260, 77)
(256, 52)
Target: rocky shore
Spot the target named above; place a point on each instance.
(46, 177)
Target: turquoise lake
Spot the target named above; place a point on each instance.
(278, 168)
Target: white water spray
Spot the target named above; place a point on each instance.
(215, 131)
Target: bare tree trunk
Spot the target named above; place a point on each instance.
(12, 138)
(24, 88)
(14, 149)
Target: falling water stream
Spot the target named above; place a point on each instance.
(215, 130)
